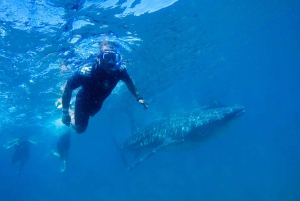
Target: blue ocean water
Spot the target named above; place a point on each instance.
(182, 54)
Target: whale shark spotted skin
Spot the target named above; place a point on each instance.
(180, 131)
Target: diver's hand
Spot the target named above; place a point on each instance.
(66, 118)
(143, 102)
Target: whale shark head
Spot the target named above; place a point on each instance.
(204, 124)
(223, 114)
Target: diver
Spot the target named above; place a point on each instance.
(97, 83)
(21, 153)
(63, 146)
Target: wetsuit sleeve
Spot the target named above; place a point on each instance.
(74, 82)
(130, 84)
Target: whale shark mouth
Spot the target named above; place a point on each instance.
(240, 113)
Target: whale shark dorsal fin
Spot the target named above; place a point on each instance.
(142, 159)
(134, 126)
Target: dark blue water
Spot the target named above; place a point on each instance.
(183, 55)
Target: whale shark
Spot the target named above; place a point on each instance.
(181, 131)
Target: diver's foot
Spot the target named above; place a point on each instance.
(55, 154)
(65, 166)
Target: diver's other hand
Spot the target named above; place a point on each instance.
(143, 102)
(66, 118)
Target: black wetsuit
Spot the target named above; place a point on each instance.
(63, 145)
(21, 153)
(96, 85)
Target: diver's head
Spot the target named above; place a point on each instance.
(109, 56)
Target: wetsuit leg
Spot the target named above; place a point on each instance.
(82, 114)
(22, 163)
(63, 145)
(84, 108)
(15, 158)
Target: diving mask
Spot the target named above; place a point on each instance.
(110, 57)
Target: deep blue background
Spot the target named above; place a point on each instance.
(250, 56)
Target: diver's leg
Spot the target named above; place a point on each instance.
(78, 126)
(21, 165)
(81, 115)
(14, 159)
(63, 146)
(53, 153)
(64, 166)
(64, 157)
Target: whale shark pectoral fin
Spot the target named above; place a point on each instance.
(160, 147)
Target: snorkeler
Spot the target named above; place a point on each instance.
(97, 83)
(63, 146)
(21, 153)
